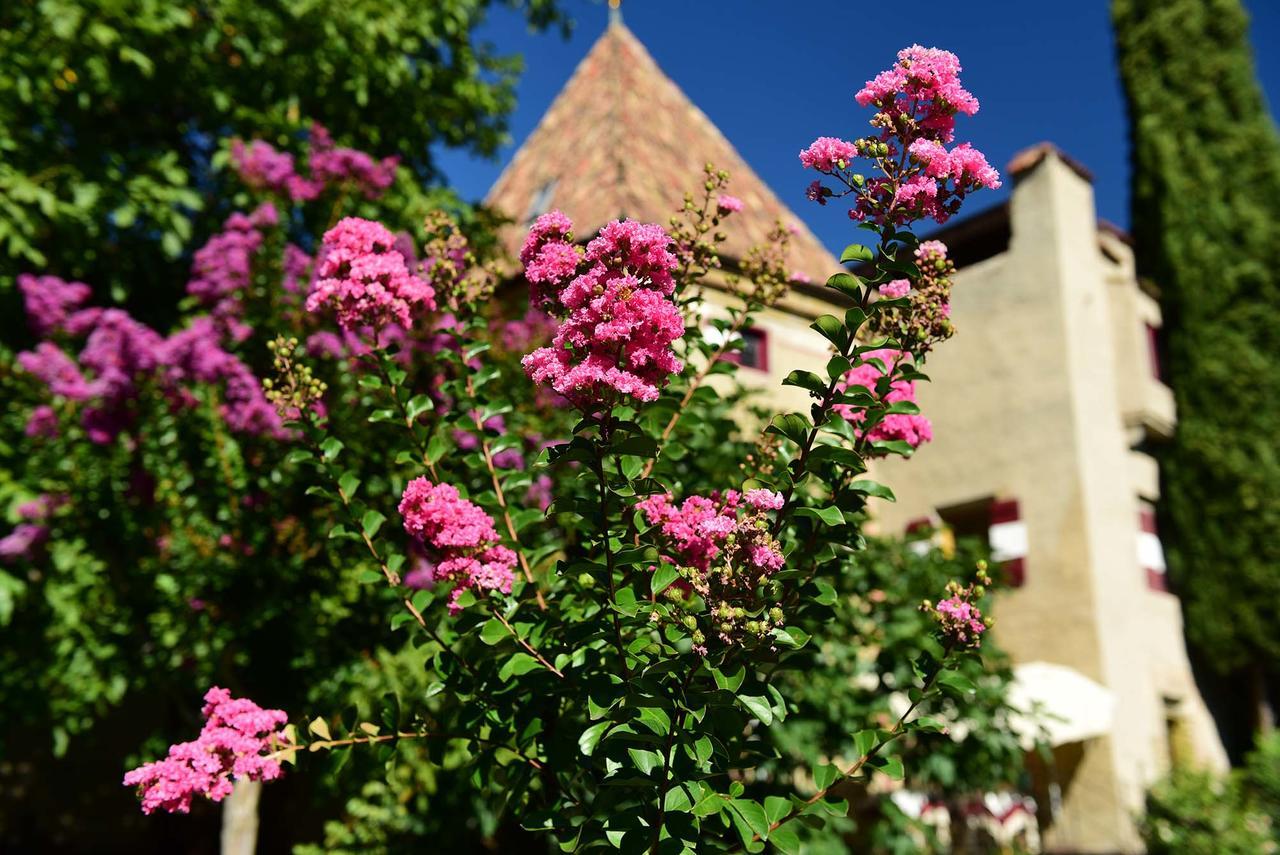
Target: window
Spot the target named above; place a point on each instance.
(1150, 550)
(541, 201)
(754, 352)
(1156, 351)
(997, 523)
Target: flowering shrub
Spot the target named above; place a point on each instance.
(609, 582)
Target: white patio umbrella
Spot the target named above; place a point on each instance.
(1060, 703)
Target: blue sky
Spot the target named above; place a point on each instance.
(773, 76)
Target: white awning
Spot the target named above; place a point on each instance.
(1059, 704)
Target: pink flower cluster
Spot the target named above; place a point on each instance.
(912, 429)
(221, 270)
(726, 204)
(121, 354)
(237, 742)
(29, 535)
(50, 301)
(619, 316)
(365, 280)
(916, 101)
(723, 550)
(261, 166)
(460, 537)
(926, 321)
(960, 620)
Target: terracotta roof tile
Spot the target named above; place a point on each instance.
(622, 140)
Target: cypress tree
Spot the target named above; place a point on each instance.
(1206, 228)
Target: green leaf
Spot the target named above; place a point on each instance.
(320, 728)
(758, 707)
(826, 593)
(677, 800)
(925, 724)
(590, 737)
(873, 488)
(753, 814)
(891, 766)
(837, 367)
(298, 455)
(829, 515)
(436, 448)
(656, 719)
(331, 447)
(865, 740)
(856, 252)
(371, 522)
(776, 808)
(418, 405)
(956, 682)
(729, 682)
(493, 631)
(793, 426)
(348, 484)
(519, 664)
(785, 839)
(662, 578)
(646, 761)
(832, 330)
(854, 319)
(824, 776)
(806, 380)
(791, 636)
(847, 284)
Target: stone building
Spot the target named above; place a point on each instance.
(1044, 407)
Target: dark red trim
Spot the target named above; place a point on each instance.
(1157, 581)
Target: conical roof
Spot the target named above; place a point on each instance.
(622, 140)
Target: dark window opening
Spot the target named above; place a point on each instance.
(995, 523)
(1157, 352)
(754, 352)
(541, 201)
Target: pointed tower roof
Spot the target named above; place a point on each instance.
(622, 140)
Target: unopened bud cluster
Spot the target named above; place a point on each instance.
(294, 389)
(926, 322)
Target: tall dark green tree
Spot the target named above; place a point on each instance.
(1206, 223)
(109, 110)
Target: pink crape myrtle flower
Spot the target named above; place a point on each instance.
(49, 301)
(895, 289)
(365, 280)
(619, 319)
(460, 537)
(239, 741)
(960, 621)
(917, 101)
(912, 429)
(726, 204)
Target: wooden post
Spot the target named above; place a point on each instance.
(240, 818)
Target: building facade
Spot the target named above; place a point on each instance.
(1044, 407)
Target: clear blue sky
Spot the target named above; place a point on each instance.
(773, 76)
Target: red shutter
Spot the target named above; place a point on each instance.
(1008, 539)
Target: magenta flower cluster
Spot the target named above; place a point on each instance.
(699, 528)
(237, 742)
(723, 549)
(29, 535)
(912, 429)
(120, 355)
(365, 280)
(221, 270)
(960, 621)
(619, 318)
(263, 167)
(917, 101)
(459, 536)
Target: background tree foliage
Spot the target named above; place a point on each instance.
(109, 111)
(1206, 223)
